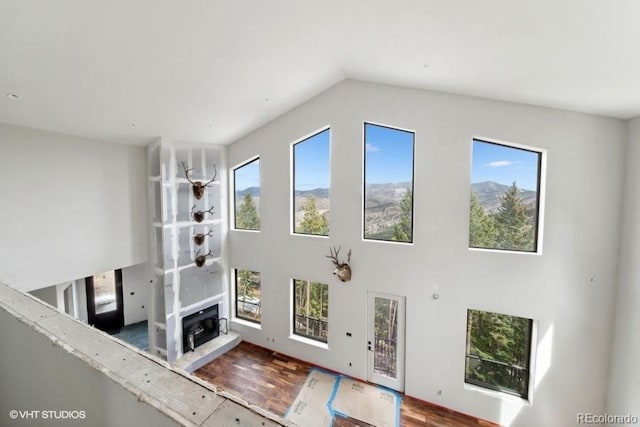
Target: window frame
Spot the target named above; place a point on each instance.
(293, 180)
(528, 369)
(540, 190)
(294, 330)
(235, 198)
(364, 181)
(235, 293)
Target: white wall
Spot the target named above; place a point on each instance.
(136, 293)
(56, 365)
(81, 300)
(48, 295)
(71, 207)
(34, 372)
(568, 290)
(624, 386)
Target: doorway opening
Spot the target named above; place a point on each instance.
(105, 301)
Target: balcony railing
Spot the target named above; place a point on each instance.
(385, 356)
(499, 376)
(248, 309)
(311, 327)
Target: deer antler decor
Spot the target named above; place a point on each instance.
(199, 186)
(199, 237)
(343, 269)
(198, 216)
(201, 259)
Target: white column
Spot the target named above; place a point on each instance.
(624, 381)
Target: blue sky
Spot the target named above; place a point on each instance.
(504, 165)
(248, 176)
(312, 162)
(389, 155)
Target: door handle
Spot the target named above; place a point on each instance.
(369, 345)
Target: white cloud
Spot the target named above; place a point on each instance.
(500, 163)
(372, 148)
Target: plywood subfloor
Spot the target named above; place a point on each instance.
(272, 381)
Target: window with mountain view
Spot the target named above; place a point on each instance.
(248, 295)
(311, 310)
(246, 180)
(388, 183)
(505, 197)
(311, 185)
(498, 352)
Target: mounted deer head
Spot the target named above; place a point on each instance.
(343, 269)
(199, 237)
(201, 259)
(198, 187)
(198, 216)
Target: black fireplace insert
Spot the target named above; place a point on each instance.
(200, 327)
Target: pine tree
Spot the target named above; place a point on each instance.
(482, 230)
(498, 338)
(312, 221)
(514, 229)
(402, 231)
(247, 217)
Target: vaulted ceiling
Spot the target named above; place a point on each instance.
(211, 70)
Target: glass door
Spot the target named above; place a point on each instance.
(104, 301)
(385, 340)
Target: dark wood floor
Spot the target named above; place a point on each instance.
(272, 381)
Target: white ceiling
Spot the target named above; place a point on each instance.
(211, 70)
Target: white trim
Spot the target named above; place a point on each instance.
(309, 341)
(496, 394)
(322, 236)
(393, 242)
(505, 251)
(242, 322)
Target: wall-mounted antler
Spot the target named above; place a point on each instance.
(199, 237)
(199, 186)
(198, 216)
(201, 259)
(343, 269)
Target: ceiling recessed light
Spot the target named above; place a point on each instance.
(132, 125)
(13, 96)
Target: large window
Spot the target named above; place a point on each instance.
(505, 197)
(311, 310)
(246, 180)
(311, 185)
(388, 183)
(248, 295)
(498, 352)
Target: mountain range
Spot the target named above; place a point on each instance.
(382, 204)
(318, 193)
(489, 192)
